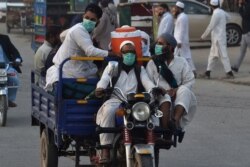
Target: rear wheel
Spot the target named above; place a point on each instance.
(143, 160)
(3, 110)
(49, 153)
(233, 35)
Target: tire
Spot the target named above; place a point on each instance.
(3, 110)
(157, 157)
(233, 35)
(116, 155)
(143, 160)
(48, 151)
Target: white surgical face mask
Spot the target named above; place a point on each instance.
(88, 24)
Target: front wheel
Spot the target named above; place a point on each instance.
(143, 160)
(49, 153)
(3, 110)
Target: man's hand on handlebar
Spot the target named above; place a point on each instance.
(100, 92)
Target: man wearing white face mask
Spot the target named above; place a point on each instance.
(77, 42)
(176, 79)
(132, 78)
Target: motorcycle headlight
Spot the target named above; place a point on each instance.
(141, 111)
(3, 72)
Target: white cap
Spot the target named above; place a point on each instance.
(214, 2)
(144, 35)
(179, 4)
(125, 26)
(125, 43)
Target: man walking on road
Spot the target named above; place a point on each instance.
(167, 20)
(244, 10)
(181, 34)
(217, 27)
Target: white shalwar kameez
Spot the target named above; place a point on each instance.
(185, 80)
(217, 27)
(127, 82)
(77, 43)
(166, 24)
(181, 34)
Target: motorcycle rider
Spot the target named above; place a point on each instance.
(132, 78)
(9, 53)
(176, 79)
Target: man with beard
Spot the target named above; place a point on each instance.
(217, 28)
(176, 79)
(167, 20)
(181, 34)
(132, 78)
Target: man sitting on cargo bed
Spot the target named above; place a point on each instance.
(77, 42)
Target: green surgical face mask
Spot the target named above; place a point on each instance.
(88, 25)
(158, 49)
(128, 59)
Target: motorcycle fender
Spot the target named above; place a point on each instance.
(3, 91)
(143, 149)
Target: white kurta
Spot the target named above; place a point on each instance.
(185, 80)
(181, 34)
(217, 28)
(77, 43)
(166, 24)
(127, 82)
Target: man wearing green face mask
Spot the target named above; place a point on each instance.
(131, 78)
(174, 76)
(78, 42)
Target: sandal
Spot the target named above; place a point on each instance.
(104, 158)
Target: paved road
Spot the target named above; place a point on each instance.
(219, 135)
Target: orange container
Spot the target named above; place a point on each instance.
(126, 33)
